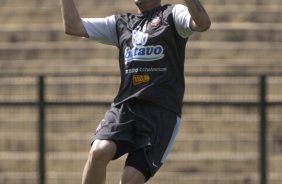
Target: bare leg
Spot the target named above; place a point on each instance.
(102, 151)
(131, 175)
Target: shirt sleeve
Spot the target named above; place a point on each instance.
(102, 30)
(182, 17)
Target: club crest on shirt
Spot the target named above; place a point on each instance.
(156, 22)
(141, 52)
(139, 38)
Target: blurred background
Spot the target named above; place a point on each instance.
(54, 90)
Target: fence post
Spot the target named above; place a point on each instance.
(263, 131)
(41, 130)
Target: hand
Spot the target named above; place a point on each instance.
(200, 20)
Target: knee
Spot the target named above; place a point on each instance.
(101, 152)
(96, 156)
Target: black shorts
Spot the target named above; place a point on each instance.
(142, 129)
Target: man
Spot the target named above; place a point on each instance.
(145, 115)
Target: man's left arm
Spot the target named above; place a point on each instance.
(200, 20)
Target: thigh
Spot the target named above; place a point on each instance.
(156, 129)
(117, 126)
(138, 160)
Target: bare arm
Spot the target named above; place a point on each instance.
(71, 19)
(200, 20)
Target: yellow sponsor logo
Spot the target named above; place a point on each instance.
(139, 79)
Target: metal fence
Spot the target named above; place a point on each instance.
(47, 105)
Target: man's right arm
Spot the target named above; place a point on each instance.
(71, 19)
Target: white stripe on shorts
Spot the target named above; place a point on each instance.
(175, 131)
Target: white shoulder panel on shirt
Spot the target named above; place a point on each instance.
(182, 17)
(102, 30)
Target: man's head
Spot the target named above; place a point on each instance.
(144, 5)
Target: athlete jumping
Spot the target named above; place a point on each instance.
(144, 117)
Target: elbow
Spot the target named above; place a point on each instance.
(68, 30)
(75, 30)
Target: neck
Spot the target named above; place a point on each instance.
(148, 5)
